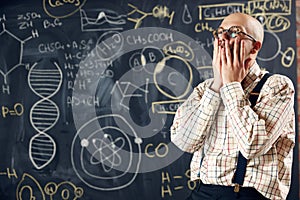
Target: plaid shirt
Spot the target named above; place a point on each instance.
(216, 126)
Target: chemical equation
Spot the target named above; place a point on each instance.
(17, 110)
(218, 11)
(29, 20)
(179, 48)
(109, 45)
(270, 13)
(166, 182)
(9, 173)
(91, 101)
(62, 8)
(280, 7)
(26, 20)
(161, 150)
(166, 107)
(50, 47)
(203, 26)
(149, 39)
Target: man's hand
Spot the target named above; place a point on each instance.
(217, 67)
(233, 62)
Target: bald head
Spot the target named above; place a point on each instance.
(252, 26)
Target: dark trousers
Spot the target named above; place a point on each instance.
(216, 192)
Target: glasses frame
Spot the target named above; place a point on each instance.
(227, 31)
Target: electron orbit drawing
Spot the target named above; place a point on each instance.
(106, 152)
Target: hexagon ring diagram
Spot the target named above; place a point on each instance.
(103, 156)
(11, 51)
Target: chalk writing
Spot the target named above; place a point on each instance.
(270, 13)
(126, 91)
(101, 20)
(58, 8)
(161, 150)
(158, 11)
(30, 188)
(17, 110)
(44, 114)
(26, 20)
(186, 15)
(64, 190)
(205, 72)
(274, 23)
(166, 180)
(166, 107)
(88, 101)
(149, 39)
(8, 39)
(185, 82)
(203, 26)
(218, 11)
(288, 55)
(52, 24)
(179, 48)
(9, 173)
(105, 153)
(281, 7)
(146, 59)
(109, 45)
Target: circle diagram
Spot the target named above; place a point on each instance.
(106, 153)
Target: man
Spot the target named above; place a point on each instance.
(217, 123)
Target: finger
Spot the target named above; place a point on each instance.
(215, 52)
(228, 52)
(223, 55)
(219, 57)
(236, 51)
(242, 53)
(216, 45)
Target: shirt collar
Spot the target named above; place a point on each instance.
(254, 73)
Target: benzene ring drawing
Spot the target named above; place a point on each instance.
(104, 156)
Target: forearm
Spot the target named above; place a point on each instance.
(194, 118)
(257, 129)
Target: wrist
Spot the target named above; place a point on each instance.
(215, 86)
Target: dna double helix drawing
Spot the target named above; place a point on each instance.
(45, 82)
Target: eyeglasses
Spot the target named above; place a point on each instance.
(232, 32)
